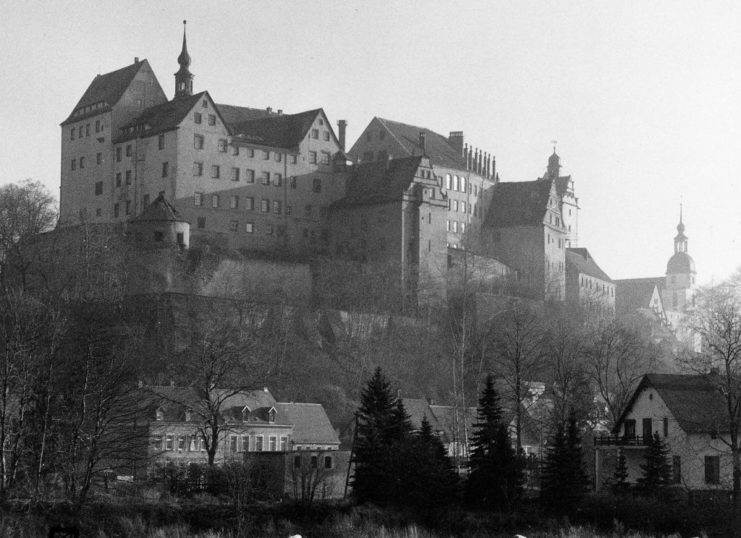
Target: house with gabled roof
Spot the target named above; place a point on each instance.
(689, 414)
(241, 177)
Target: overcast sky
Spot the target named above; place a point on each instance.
(644, 98)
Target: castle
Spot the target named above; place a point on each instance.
(189, 171)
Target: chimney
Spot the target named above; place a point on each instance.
(494, 167)
(136, 59)
(280, 111)
(341, 130)
(455, 139)
(422, 140)
(269, 110)
(465, 155)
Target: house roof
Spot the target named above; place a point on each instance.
(160, 210)
(174, 401)
(579, 260)
(310, 423)
(562, 185)
(106, 89)
(437, 147)
(634, 293)
(521, 203)
(284, 131)
(160, 118)
(379, 182)
(236, 114)
(694, 401)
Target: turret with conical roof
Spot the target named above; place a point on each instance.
(680, 277)
(184, 78)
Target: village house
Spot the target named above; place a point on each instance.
(688, 412)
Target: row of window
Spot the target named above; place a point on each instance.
(222, 144)
(461, 206)
(248, 204)
(598, 286)
(455, 226)
(266, 178)
(268, 229)
(84, 130)
(128, 150)
(243, 443)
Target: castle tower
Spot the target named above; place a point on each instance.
(184, 78)
(680, 273)
(554, 165)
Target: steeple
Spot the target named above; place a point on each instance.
(184, 78)
(680, 240)
(554, 165)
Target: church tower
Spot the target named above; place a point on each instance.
(184, 78)
(680, 274)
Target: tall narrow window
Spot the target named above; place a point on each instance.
(712, 469)
(161, 141)
(235, 174)
(165, 169)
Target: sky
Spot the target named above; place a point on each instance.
(643, 98)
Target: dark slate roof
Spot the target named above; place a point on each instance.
(634, 293)
(158, 211)
(378, 182)
(160, 118)
(680, 262)
(694, 401)
(579, 260)
(442, 418)
(562, 185)
(236, 114)
(522, 203)
(437, 148)
(106, 89)
(310, 423)
(284, 131)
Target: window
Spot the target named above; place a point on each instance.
(165, 168)
(233, 225)
(128, 150)
(325, 157)
(212, 119)
(128, 177)
(266, 155)
(74, 164)
(283, 443)
(289, 210)
(272, 443)
(251, 153)
(277, 207)
(198, 199)
(235, 151)
(294, 159)
(221, 145)
(307, 210)
(79, 132)
(128, 207)
(676, 469)
(197, 118)
(168, 442)
(232, 443)
(249, 203)
(266, 178)
(201, 222)
(198, 141)
(455, 183)
(297, 462)
(455, 226)
(87, 130)
(258, 443)
(157, 442)
(463, 184)
(455, 205)
(161, 141)
(293, 182)
(367, 156)
(98, 188)
(327, 462)
(234, 203)
(463, 227)
(278, 157)
(99, 158)
(248, 227)
(115, 210)
(197, 169)
(245, 443)
(315, 133)
(235, 174)
(325, 135)
(159, 236)
(312, 157)
(666, 427)
(249, 176)
(463, 207)
(630, 428)
(204, 103)
(215, 171)
(72, 134)
(314, 462)
(214, 200)
(278, 180)
(118, 154)
(265, 205)
(82, 162)
(712, 469)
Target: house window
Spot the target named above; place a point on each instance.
(327, 462)
(161, 141)
(666, 427)
(118, 154)
(235, 174)
(648, 429)
(165, 169)
(115, 210)
(201, 222)
(99, 158)
(314, 462)
(297, 462)
(79, 132)
(197, 118)
(221, 145)
(278, 157)
(266, 155)
(463, 184)
(315, 133)
(249, 227)
(325, 157)
(455, 226)
(463, 207)
(268, 229)
(249, 176)
(289, 210)
(294, 159)
(204, 103)
(265, 205)
(157, 442)
(455, 205)
(215, 171)
(74, 164)
(249, 203)
(250, 153)
(712, 469)
(128, 177)
(198, 141)
(98, 188)
(82, 162)
(463, 227)
(676, 469)
(234, 203)
(277, 207)
(168, 442)
(266, 178)
(317, 185)
(197, 169)
(272, 443)
(307, 210)
(258, 443)
(235, 151)
(214, 200)
(159, 237)
(72, 134)
(326, 136)
(312, 157)
(232, 443)
(283, 443)
(293, 182)
(455, 183)
(212, 119)
(128, 150)
(630, 428)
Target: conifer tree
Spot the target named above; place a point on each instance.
(552, 474)
(657, 472)
(576, 479)
(620, 476)
(564, 481)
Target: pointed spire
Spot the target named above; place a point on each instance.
(184, 58)
(184, 78)
(680, 226)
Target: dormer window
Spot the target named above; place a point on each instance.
(246, 413)
(159, 414)
(188, 415)
(271, 414)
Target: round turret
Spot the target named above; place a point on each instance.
(680, 263)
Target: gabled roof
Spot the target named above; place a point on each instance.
(694, 401)
(310, 423)
(284, 131)
(521, 203)
(160, 210)
(378, 182)
(160, 118)
(106, 89)
(579, 260)
(634, 293)
(236, 114)
(174, 401)
(442, 418)
(562, 185)
(437, 147)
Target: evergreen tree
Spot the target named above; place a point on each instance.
(496, 476)
(657, 472)
(552, 473)
(620, 476)
(374, 424)
(576, 480)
